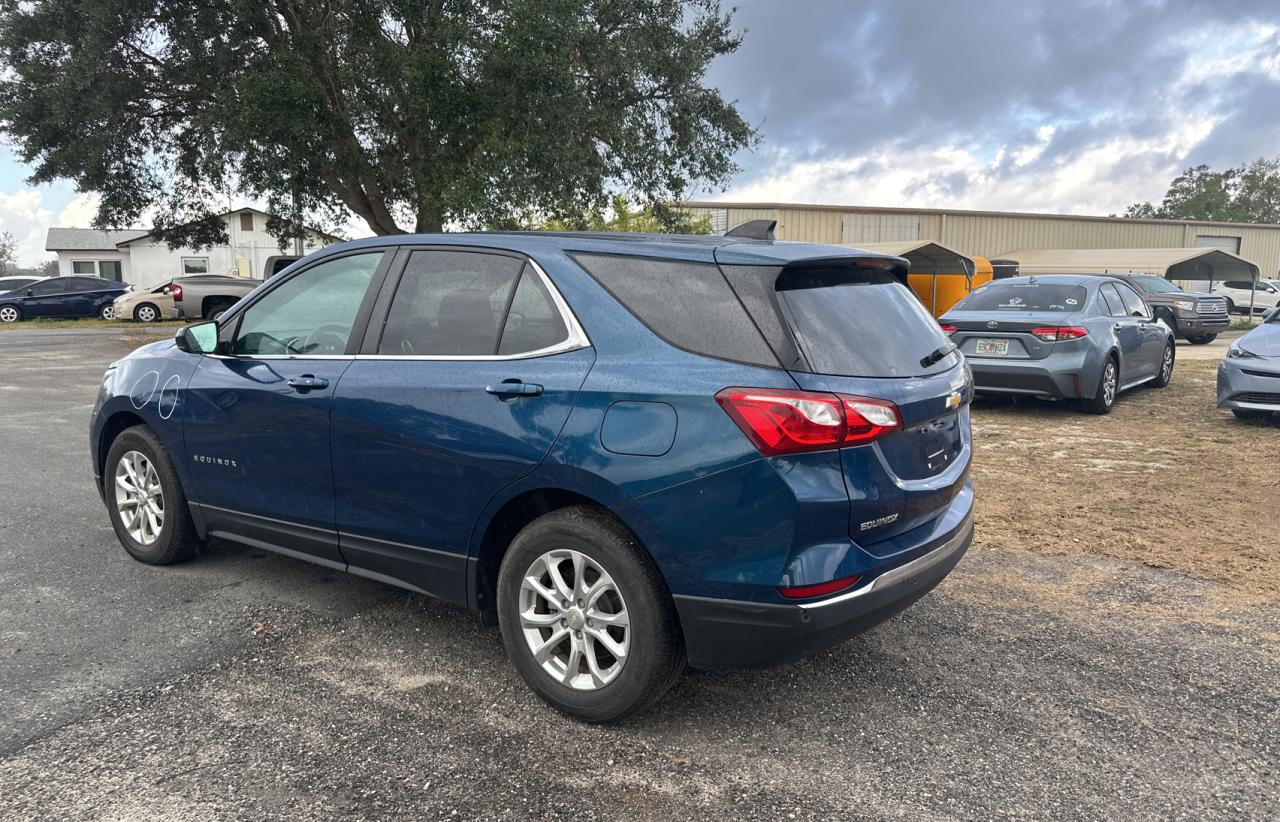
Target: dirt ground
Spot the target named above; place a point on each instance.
(1166, 479)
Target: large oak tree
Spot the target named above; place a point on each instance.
(413, 114)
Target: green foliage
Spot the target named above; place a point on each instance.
(413, 114)
(622, 215)
(8, 252)
(1248, 194)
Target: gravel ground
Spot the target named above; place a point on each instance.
(1044, 678)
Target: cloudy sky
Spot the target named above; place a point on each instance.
(1071, 106)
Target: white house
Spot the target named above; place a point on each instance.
(134, 256)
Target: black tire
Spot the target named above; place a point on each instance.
(1103, 400)
(216, 310)
(1250, 414)
(177, 539)
(12, 315)
(1202, 339)
(655, 656)
(1231, 306)
(1165, 375)
(146, 313)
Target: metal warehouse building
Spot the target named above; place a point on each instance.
(995, 234)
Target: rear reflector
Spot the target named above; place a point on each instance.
(1056, 333)
(819, 590)
(791, 422)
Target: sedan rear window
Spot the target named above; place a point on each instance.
(1025, 297)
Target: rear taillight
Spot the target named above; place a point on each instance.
(819, 590)
(175, 291)
(1056, 333)
(948, 329)
(791, 422)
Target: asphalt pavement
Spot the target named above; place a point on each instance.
(242, 685)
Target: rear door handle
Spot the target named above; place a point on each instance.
(307, 382)
(515, 389)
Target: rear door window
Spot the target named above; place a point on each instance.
(1025, 297)
(1133, 304)
(858, 322)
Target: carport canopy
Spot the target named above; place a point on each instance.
(926, 257)
(1211, 264)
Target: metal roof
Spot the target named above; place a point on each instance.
(925, 257)
(88, 239)
(1172, 263)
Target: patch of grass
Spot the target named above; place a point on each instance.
(89, 322)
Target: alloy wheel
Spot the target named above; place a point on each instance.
(1109, 383)
(108, 312)
(146, 314)
(139, 497)
(574, 619)
(1166, 367)
(8, 314)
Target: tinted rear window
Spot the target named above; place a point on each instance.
(1025, 297)
(690, 305)
(860, 323)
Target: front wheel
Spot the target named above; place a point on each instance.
(107, 312)
(1165, 374)
(145, 499)
(1202, 339)
(1105, 397)
(586, 618)
(10, 314)
(146, 313)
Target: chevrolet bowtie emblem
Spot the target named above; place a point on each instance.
(954, 399)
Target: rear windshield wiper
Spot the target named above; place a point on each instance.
(937, 354)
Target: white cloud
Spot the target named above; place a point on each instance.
(24, 215)
(1096, 179)
(79, 212)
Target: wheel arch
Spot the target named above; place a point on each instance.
(112, 427)
(520, 505)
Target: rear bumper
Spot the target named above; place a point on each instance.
(1049, 377)
(723, 633)
(177, 313)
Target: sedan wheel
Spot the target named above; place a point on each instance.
(108, 312)
(146, 314)
(1105, 398)
(1166, 367)
(9, 314)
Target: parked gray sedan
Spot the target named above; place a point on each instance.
(1249, 376)
(1061, 336)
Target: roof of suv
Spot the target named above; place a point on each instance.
(729, 250)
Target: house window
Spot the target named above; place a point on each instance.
(195, 265)
(246, 221)
(110, 270)
(84, 267)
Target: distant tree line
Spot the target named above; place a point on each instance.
(1248, 194)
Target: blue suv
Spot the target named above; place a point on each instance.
(628, 451)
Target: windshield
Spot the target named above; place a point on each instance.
(1156, 285)
(854, 324)
(1024, 296)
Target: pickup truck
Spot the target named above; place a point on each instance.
(1195, 317)
(208, 297)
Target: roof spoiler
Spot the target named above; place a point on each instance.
(754, 230)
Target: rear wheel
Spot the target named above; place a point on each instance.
(216, 310)
(1202, 339)
(107, 312)
(1231, 306)
(1165, 374)
(147, 505)
(146, 313)
(1108, 384)
(586, 618)
(10, 314)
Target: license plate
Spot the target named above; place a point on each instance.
(992, 348)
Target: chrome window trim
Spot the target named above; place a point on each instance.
(576, 340)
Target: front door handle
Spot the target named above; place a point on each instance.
(307, 382)
(515, 388)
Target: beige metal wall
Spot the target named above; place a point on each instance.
(988, 234)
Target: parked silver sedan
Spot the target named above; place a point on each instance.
(1249, 376)
(1061, 336)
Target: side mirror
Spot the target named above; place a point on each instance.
(201, 338)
